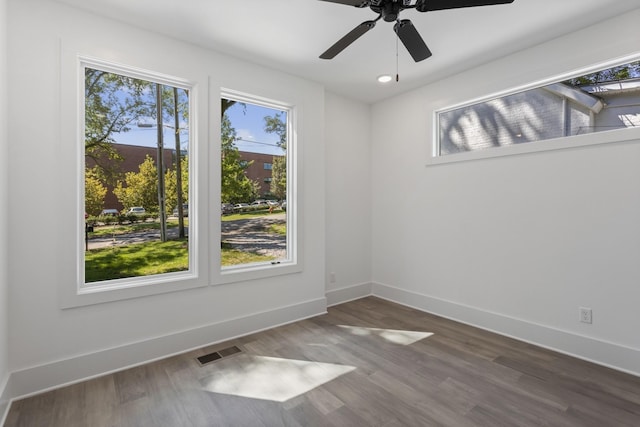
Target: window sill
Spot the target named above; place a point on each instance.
(577, 141)
(257, 271)
(122, 289)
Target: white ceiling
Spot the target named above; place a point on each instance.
(289, 35)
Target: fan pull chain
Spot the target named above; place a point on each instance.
(397, 71)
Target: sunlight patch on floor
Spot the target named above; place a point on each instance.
(392, 335)
(270, 378)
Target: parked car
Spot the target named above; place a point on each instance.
(283, 205)
(273, 203)
(109, 212)
(259, 203)
(136, 210)
(226, 208)
(240, 206)
(185, 210)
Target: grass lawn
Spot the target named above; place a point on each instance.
(247, 215)
(145, 259)
(231, 256)
(141, 259)
(280, 229)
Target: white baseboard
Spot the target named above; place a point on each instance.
(350, 293)
(615, 356)
(41, 378)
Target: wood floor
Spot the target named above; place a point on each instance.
(367, 363)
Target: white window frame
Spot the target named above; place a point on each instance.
(565, 142)
(293, 263)
(73, 65)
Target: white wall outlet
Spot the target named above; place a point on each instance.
(332, 277)
(586, 315)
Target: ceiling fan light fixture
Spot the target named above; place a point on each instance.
(389, 11)
(385, 78)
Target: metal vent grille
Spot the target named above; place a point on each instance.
(216, 355)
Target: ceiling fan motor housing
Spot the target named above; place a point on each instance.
(389, 9)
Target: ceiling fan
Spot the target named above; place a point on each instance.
(389, 11)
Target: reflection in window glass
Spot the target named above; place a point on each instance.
(253, 196)
(604, 100)
(136, 177)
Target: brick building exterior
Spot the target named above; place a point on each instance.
(133, 156)
(259, 169)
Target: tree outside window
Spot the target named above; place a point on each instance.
(136, 174)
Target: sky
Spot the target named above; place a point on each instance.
(247, 119)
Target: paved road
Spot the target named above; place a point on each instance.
(242, 234)
(127, 239)
(250, 235)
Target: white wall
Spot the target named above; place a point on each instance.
(4, 212)
(514, 244)
(348, 221)
(50, 345)
(517, 243)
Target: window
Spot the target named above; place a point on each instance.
(136, 178)
(112, 140)
(602, 100)
(256, 234)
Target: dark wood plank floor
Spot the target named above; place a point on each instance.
(352, 367)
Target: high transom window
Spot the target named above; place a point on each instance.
(602, 100)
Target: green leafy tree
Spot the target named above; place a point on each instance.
(171, 185)
(235, 186)
(275, 124)
(94, 192)
(279, 177)
(622, 72)
(140, 188)
(112, 103)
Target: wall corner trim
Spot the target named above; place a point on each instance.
(5, 398)
(611, 355)
(348, 293)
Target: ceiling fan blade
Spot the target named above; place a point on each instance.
(351, 36)
(429, 5)
(356, 3)
(411, 39)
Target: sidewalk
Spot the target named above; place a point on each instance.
(246, 235)
(249, 235)
(127, 239)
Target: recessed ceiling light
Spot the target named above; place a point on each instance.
(385, 78)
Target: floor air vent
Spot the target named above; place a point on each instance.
(211, 357)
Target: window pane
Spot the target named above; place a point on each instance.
(136, 177)
(604, 100)
(253, 184)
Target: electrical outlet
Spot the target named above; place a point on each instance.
(586, 315)
(332, 277)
